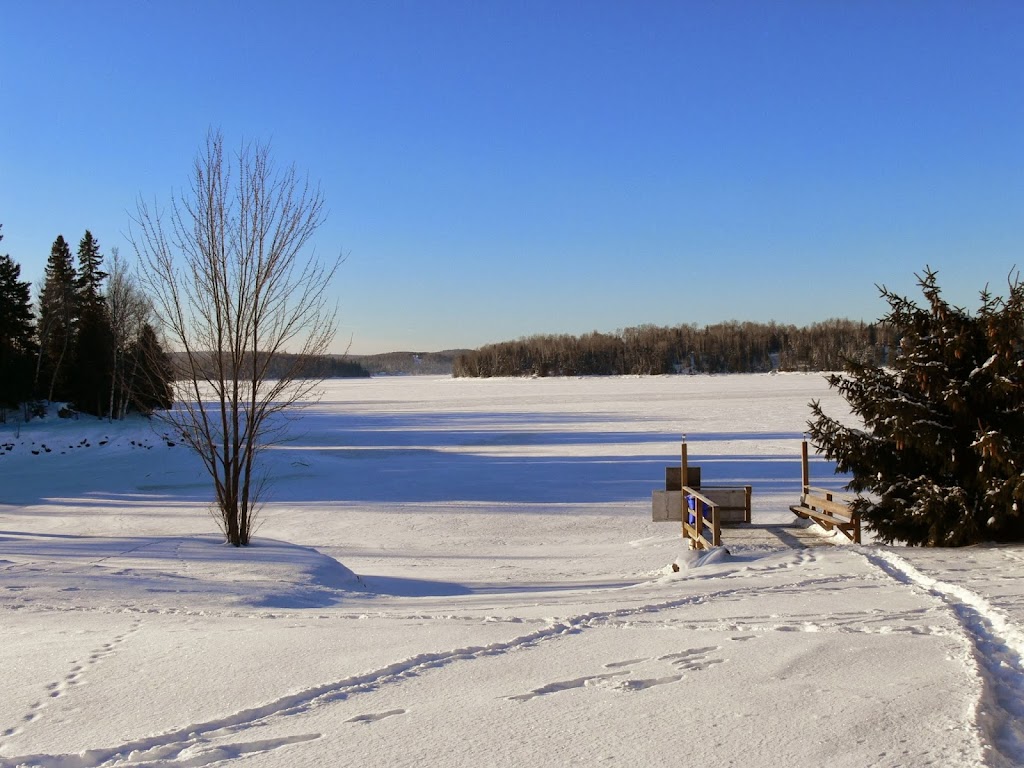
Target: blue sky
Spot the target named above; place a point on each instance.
(499, 169)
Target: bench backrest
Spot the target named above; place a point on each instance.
(826, 501)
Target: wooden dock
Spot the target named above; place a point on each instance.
(792, 534)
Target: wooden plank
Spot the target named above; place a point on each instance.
(850, 527)
(835, 508)
(830, 521)
(829, 494)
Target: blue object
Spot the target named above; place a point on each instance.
(691, 502)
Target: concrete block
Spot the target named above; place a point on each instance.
(667, 506)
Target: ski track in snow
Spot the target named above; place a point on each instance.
(201, 744)
(998, 649)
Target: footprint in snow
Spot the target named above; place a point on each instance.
(690, 660)
(375, 716)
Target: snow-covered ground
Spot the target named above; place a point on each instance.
(465, 573)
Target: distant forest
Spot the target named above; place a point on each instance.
(732, 347)
(407, 363)
(327, 367)
(364, 366)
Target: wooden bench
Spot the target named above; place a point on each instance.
(827, 508)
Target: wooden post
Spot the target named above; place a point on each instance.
(746, 503)
(805, 470)
(685, 464)
(690, 475)
(684, 478)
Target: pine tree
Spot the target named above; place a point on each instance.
(939, 459)
(16, 335)
(58, 315)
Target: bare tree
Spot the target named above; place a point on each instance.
(129, 309)
(234, 294)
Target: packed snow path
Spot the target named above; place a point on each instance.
(518, 622)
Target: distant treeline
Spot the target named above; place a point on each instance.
(731, 347)
(329, 367)
(352, 366)
(340, 368)
(409, 363)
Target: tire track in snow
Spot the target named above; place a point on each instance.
(998, 649)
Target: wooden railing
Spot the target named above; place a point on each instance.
(701, 521)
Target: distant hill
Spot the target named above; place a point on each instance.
(408, 363)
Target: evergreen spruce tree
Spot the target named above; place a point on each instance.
(940, 457)
(58, 316)
(151, 373)
(17, 345)
(93, 359)
(93, 362)
(89, 282)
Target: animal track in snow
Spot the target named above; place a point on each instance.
(58, 688)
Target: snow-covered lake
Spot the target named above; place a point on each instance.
(465, 573)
